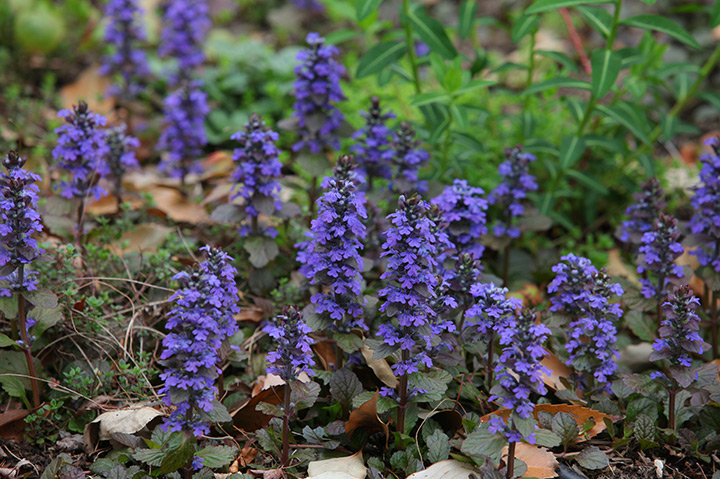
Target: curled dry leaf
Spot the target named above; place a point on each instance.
(326, 353)
(540, 462)
(12, 424)
(380, 367)
(90, 86)
(448, 469)
(349, 467)
(558, 371)
(581, 413)
(107, 205)
(146, 237)
(125, 421)
(366, 417)
(617, 267)
(250, 315)
(268, 389)
(177, 207)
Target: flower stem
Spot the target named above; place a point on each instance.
(671, 406)
(80, 233)
(491, 352)
(286, 429)
(411, 46)
(714, 323)
(21, 316)
(510, 473)
(403, 396)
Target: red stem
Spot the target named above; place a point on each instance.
(576, 41)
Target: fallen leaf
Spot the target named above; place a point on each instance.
(448, 469)
(581, 414)
(108, 205)
(540, 462)
(221, 191)
(558, 370)
(217, 165)
(380, 367)
(90, 86)
(252, 315)
(349, 467)
(247, 418)
(12, 425)
(146, 237)
(269, 473)
(366, 417)
(126, 421)
(177, 207)
(326, 352)
(246, 456)
(617, 267)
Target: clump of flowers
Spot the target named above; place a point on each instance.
(20, 220)
(185, 25)
(463, 278)
(641, 215)
(658, 252)
(317, 89)
(706, 201)
(464, 209)
(331, 257)
(201, 319)
(81, 152)
(184, 135)
(584, 294)
(121, 156)
(373, 149)
(409, 158)
(128, 61)
(510, 194)
(257, 173)
(519, 374)
(679, 338)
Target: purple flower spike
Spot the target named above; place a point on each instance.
(127, 62)
(584, 294)
(185, 25)
(184, 134)
(331, 257)
(201, 319)
(648, 205)
(20, 220)
(121, 155)
(660, 248)
(258, 169)
(409, 158)
(410, 247)
(317, 89)
(81, 152)
(512, 192)
(519, 371)
(373, 149)
(492, 312)
(293, 354)
(706, 201)
(679, 337)
(464, 209)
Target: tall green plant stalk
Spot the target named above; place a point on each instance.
(411, 46)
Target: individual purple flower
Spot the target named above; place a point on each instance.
(257, 173)
(641, 215)
(706, 201)
(127, 62)
(409, 158)
(317, 89)
(331, 258)
(519, 372)
(512, 192)
(464, 209)
(184, 135)
(20, 221)
(584, 295)
(373, 150)
(185, 25)
(658, 252)
(201, 319)
(679, 336)
(81, 152)
(121, 155)
(309, 5)
(410, 247)
(293, 354)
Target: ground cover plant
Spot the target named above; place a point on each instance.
(359, 238)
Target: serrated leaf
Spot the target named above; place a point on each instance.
(348, 342)
(177, 456)
(344, 386)
(217, 456)
(304, 395)
(566, 427)
(522, 26)
(363, 8)
(547, 438)
(557, 82)
(545, 5)
(151, 457)
(641, 325)
(438, 444)
(525, 426)
(481, 442)
(606, 65)
(433, 33)
(262, 250)
(663, 25)
(592, 458)
(641, 383)
(644, 428)
(379, 57)
(466, 17)
(42, 297)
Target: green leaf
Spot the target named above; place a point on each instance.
(545, 5)
(178, 454)
(662, 25)
(430, 97)
(379, 57)
(42, 297)
(525, 426)
(565, 426)
(571, 149)
(6, 341)
(151, 457)
(558, 82)
(522, 26)
(715, 15)
(363, 8)
(559, 57)
(598, 18)
(606, 66)
(546, 438)
(592, 458)
(348, 342)
(466, 17)
(217, 456)
(438, 444)
(588, 181)
(459, 115)
(481, 442)
(344, 386)
(262, 250)
(304, 395)
(628, 116)
(474, 85)
(433, 33)
(641, 325)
